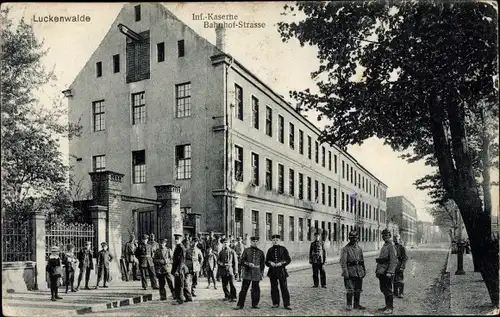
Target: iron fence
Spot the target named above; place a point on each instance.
(16, 241)
(61, 234)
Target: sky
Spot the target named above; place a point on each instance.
(282, 66)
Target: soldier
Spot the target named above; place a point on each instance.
(86, 264)
(238, 248)
(130, 259)
(153, 243)
(353, 270)
(317, 257)
(211, 266)
(144, 255)
(253, 263)
(162, 259)
(227, 260)
(181, 272)
(277, 258)
(103, 259)
(386, 266)
(69, 261)
(54, 272)
(194, 259)
(398, 275)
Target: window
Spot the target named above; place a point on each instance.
(238, 222)
(301, 229)
(291, 185)
(301, 142)
(98, 69)
(255, 169)
(116, 63)
(323, 231)
(323, 193)
(180, 48)
(139, 166)
(316, 191)
(98, 115)
(347, 171)
(183, 100)
(255, 112)
(309, 188)
(316, 152)
(183, 161)
(355, 178)
(316, 226)
(343, 169)
(351, 175)
(269, 225)
(329, 231)
(138, 108)
(301, 186)
(238, 101)
(186, 210)
(308, 147)
(370, 187)
(334, 231)
(291, 229)
(269, 121)
(309, 229)
(238, 163)
(281, 179)
(99, 163)
(281, 129)
(347, 198)
(323, 157)
(160, 52)
(281, 226)
(335, 197)
(138, 58)
(255, 223)
(137, 13)
(329, 160)
(343, 201)
(363, 182)
(329, 196)
(269, 174)
(292, 136)
(359, 180)
(335, 162)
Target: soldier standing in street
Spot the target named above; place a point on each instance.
(277, 258)
(317, 257)
(238, 248)
(162, 259)
(386, 266)
(353, 270)
(227, 261)
(102, 263)
(211, 266)
(130, 259)
(194, 260)
(398, 275)
(144, 254)
(69, 261)
(180, 271)
(253, 263)
(86, 264)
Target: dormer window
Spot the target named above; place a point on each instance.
(137, 13)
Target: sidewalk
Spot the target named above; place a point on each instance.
(468, 293)
(119, 294)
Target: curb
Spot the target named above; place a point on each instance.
(115, 304)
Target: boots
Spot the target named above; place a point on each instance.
(357, 295)
(395, 286)
(349, 301)
(389, 309)
(386, 304)
(401, 288)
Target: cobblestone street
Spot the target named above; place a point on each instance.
(422, 273)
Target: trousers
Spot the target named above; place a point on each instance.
(152, 276)
(318, 268)
(385, 284)
(275, 293)
(231, 292)
(131, 267)
(353, 285)
(87, 276)
(211, 276)
(69, 279)
(100, 271)
(183, 288)
(165, 279)
(255, 293)
(54, 286)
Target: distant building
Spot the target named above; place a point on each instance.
(428, 233)
(401, 211)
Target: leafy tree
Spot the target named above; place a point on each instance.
(34, 176)
(426, 73)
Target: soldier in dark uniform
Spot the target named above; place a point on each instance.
(180, 271)
(317, 257)
(86, 264)
(130, 259)
(144, 254)
(253, 263)
(277, 259)
(353, 270)
(398, 275)
(386, 266)
(54, 272)
(162, 260)
(102, 263)
(227, 261)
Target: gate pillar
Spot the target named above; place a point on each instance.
(169, 212)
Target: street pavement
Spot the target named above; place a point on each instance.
(423, 273)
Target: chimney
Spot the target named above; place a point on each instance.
(220, 38)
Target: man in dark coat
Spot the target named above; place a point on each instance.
(398, 274)
(86, 264)
(182, 279)
(103, 259)
(144, 255)
(69, 261)
(317, 257)
(53, 271)
(227, 261)
(277, 259)
(130, 259)
(253, 263)
(194, 260)
(162, 259)
(386, 266)
(353, 270)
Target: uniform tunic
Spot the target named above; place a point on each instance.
(402, 258)
(386, 263)
(228, 261)
(253, 264)
(181, 275)
(353, 267)
(162, 260)
(103, 259)
(277, 275)
(144, 254)
(53, 274)
(130, 259)
(317, 257)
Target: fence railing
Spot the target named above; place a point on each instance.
(61, 234)
(16, 241)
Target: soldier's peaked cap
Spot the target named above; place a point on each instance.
(353, 234)
(145, 236)
(178, 235)
(275, 236)
(164, 240)
(386, 232)
(254, 239)
(316, 233)
(104, 243)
